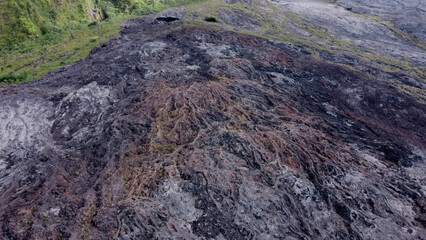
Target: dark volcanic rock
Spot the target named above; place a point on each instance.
(172, 131)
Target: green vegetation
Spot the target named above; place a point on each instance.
(39, 36)
(11, 78)
(416, 93)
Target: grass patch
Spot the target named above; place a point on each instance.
(348, 66)
(13, 78)
(417, 93)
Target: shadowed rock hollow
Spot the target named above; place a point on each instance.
(180, 131)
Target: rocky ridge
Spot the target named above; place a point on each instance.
(202, 124)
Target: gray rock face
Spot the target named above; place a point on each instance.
(366, 32)
(183, 131)
(409, 15)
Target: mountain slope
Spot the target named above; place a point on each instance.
(205, 122)
(39, 36)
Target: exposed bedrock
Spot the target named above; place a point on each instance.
(172, 131)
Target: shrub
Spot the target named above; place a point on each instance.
(44, 30)
(93, 24)
(14, 78)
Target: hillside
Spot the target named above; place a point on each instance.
(225, 119)
(24, 20)
(39, 36)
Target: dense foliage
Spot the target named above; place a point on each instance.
(22, 20)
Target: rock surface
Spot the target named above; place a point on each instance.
(341, 21)
(408, 15)
(176, 130)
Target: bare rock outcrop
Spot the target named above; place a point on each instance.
(181, 131)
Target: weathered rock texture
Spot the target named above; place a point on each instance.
(183, 131)
(408, 15)
(363, 29)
